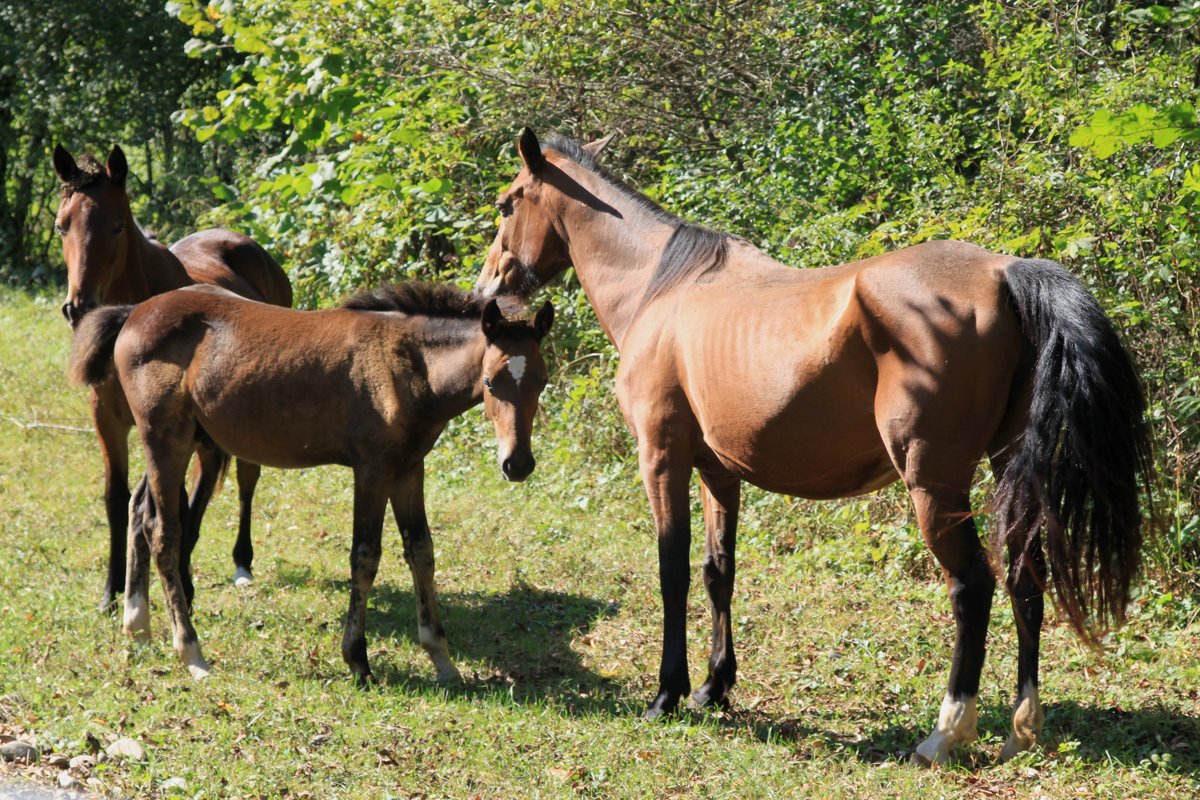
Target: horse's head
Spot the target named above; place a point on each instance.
(529, 248)
(93, 220)
(514, 375)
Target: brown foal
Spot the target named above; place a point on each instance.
(370, 386)
(833, 382)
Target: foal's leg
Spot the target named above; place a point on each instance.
(949, 530)
(112, 428)
(666, 475)
(207, 473)
(1026, 587)
(408, 506)
(243, 549)
(136, 620)
(370, 502)
(167, 453)
(720, 495)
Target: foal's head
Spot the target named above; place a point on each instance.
(529, 248)
(513, 376)
(93, 220)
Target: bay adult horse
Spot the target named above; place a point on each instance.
(825, 383)
(111, 261)
(369, 385)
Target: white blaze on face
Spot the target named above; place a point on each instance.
(516, 366)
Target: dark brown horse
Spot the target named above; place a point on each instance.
(370, 386)
(825, 383)
(110, 260)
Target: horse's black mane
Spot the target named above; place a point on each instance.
(420, 298)
(692, 252)
(90, 170)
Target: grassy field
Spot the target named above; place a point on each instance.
(550, 596)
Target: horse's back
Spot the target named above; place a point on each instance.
(235, 262)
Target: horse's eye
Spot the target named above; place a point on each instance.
(120, 227)
(487, 382)
(505, 207)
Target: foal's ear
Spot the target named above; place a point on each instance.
(595, 147)
(543, 320)
(118, 167)
(491, 319)
(64, 164)
(530, 150)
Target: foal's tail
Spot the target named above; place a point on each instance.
(91, 359)
(1085, 455)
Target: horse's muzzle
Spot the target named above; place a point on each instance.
(73, 311)
(517, 466)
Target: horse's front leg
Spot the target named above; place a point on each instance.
(408, 506)
(112, 429)
(720, 495)
(370, 501)
(666, 474)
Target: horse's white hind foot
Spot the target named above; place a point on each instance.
(196, 665)
(1027, 723)
(242, 577)
(136, 620)
(439, 653)
(956, 725)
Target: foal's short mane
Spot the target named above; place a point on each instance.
(89, 171)
(423, 299)
(692, 252)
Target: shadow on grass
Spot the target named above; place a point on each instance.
(515, 645)
(1099, 735)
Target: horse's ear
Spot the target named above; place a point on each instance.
(595, 147)
(530, 150)
(491, 319)
(118, 167)
(543, 320)
(64, 164)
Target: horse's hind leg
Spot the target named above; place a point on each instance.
(370, 502)
(113, 431)
(720, 495)
(408, 506)
(136, 620)
(243, 549)
(167, 453)
(209, 465)
(949, 530)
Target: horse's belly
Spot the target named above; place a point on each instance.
(816, 459)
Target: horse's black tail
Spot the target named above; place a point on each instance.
(1085, 456)
(91, 359)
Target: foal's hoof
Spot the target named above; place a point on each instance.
(364, 680)
(108, 603)
(448, 674)
(706, 697)
(199, 671)
(663, 706)
(242, 577)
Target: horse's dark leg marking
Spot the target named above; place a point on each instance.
(243, 549)
(370, 502)
(949, 531)
(113, 433)
(720, 496)
(666, 477)
(408, 506)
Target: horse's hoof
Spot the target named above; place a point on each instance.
(108, 603)
(704, 698)
(199, 671)
(363, 680)
(242, 577)
(663, 706)
(449, 674)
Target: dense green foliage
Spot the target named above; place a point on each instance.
(364, 140)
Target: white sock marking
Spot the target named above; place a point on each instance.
(956, 725)
(516, 365)
(136, 620)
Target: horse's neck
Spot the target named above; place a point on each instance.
(614, 255)
(453, 367)
(149, 269)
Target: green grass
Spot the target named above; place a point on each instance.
(551, 603)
